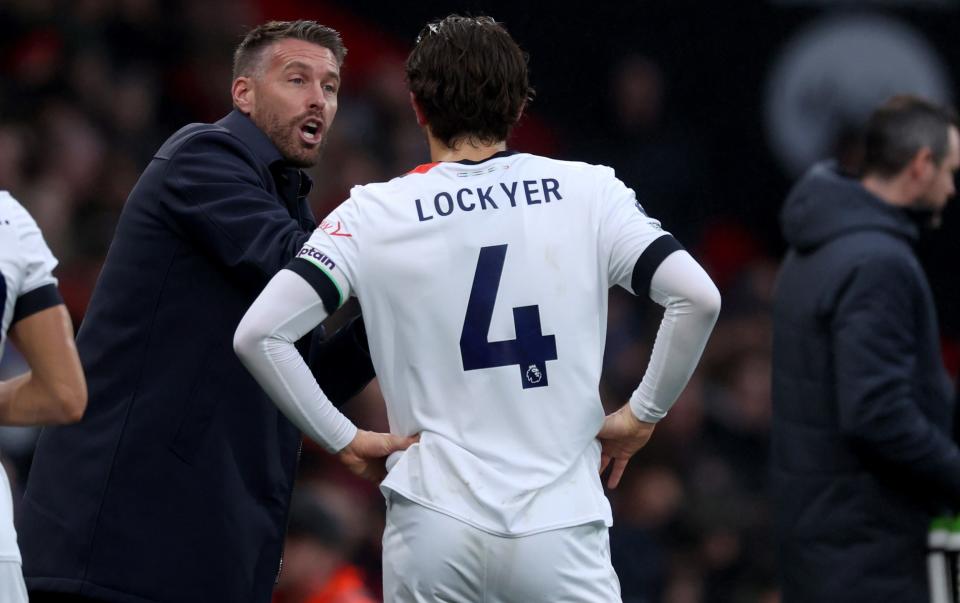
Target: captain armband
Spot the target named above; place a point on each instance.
(322, 273)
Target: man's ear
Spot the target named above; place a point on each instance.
(244, 95)
(421, 120)
(922, 163)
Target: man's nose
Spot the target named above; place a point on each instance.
(317, 100)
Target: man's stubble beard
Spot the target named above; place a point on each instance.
(285, 137)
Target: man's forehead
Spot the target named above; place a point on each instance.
(291, 50)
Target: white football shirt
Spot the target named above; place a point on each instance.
(27, 286)
(484, 288)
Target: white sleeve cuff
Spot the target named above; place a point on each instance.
(644, 410)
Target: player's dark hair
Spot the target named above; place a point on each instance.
(900, 128)
(469, 78)
(246, 58)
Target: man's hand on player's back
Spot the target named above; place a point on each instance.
(621, 436)
(366, 455)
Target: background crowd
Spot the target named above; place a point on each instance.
(675, 99)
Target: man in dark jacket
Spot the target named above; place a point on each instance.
(862, 405)
(176, 485)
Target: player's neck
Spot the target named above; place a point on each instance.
(464, 149)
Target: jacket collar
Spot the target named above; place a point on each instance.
(256, 139)
(827, 203)
(243, 128)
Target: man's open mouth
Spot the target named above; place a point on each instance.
(310, 131)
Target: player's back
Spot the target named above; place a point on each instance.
(484, 287)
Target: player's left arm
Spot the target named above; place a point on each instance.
(55, 390)
(289, 307)
(691, 305)
(648, 261)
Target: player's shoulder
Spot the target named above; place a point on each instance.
(9, 205)
(18, 229)
(567, 164)
(13, 214)
(587, 173)
(397, 187)
(522, 161)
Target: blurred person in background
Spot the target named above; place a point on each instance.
(175, 486)
(316, 560)
(659, 156)
(54, 391)
(862, 406)
(500, 499)
(646, 505)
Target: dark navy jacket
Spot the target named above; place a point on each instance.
(862, 405)
(176, 484)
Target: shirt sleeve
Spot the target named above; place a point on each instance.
(38, 287)
(646, 260)
(633, 243)
(691, 306)
(328, 261)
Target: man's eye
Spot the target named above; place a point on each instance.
(330, 88)
(296, 80)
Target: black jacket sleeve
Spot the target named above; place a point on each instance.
(875, 346)
(341, 363)
(221, 202)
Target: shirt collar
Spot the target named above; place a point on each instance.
(497, 155)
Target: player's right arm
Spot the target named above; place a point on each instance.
(295, 301)
(54, 391)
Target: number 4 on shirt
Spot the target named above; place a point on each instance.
(529, 351)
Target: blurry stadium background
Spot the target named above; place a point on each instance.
(708, 110)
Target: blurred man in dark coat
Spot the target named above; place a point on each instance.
(175, 487)
(861, 444)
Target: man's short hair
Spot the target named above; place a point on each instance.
(246, 58)
(900, 128)
(469, 78)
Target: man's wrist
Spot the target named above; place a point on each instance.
(344, 439)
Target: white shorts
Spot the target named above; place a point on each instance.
(430, 557)
(12, 589)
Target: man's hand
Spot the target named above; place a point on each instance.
(621, 436)
(366, 455)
